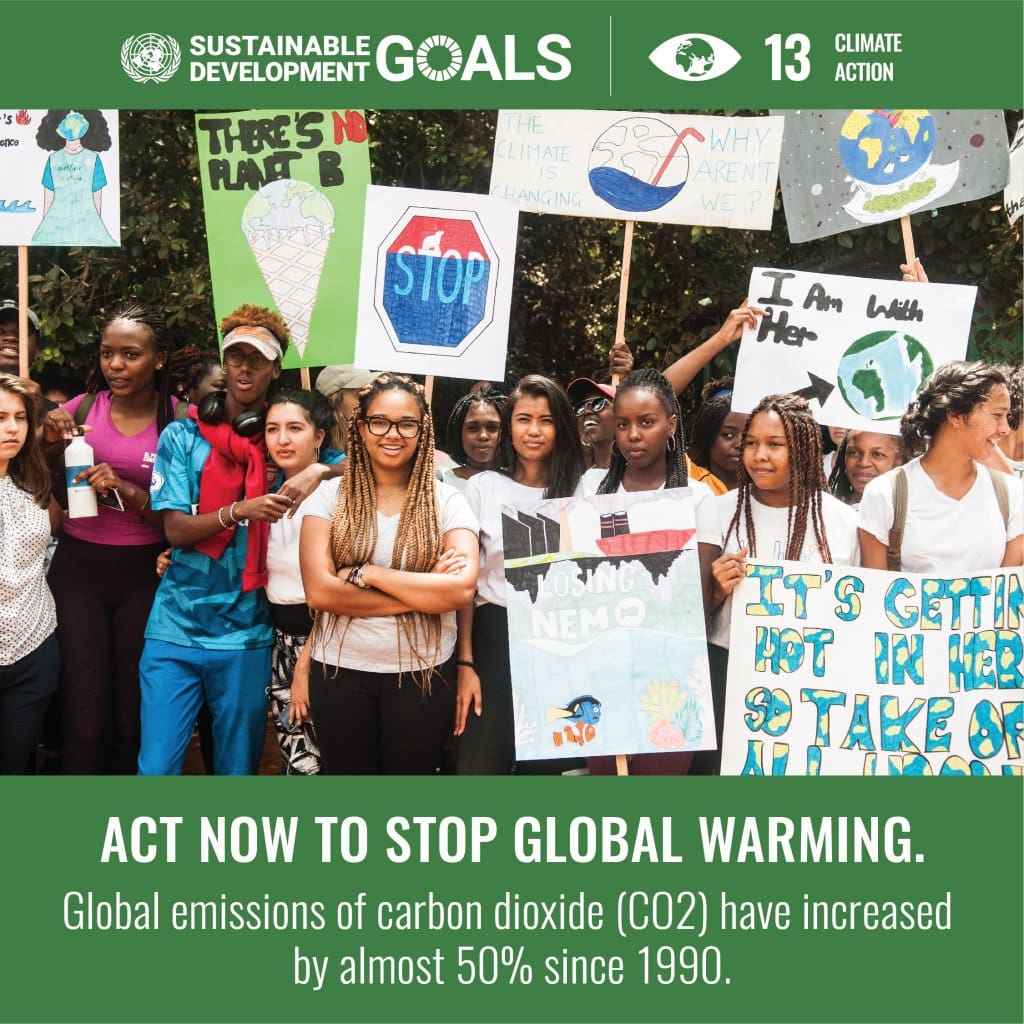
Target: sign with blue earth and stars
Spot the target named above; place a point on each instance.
(436, 284)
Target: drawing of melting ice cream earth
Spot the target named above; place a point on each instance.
(888, 154)
(640, 164)
(881, 372)
(288, 225)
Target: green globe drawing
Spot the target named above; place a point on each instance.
(881, 372)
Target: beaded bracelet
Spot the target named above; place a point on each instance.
(220, 518)
(231, 514)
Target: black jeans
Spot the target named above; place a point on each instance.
(380, 723)
(25, 689)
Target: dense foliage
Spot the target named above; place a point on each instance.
(683, 281)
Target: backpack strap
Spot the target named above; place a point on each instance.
(1002, 494)
(87, 402)
(899, 519)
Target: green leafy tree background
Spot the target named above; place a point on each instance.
(682, 284)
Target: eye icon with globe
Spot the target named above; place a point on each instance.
(881, 372)
(640, 164)
(888, 154)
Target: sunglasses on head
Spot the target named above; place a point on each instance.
(592, 405)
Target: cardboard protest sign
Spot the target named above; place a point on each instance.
(1013, 194)
(858, 349)
(436, 283)
(606, 626)
(283, 198)
(842, 671)
(670, 168)
(842, 169)
(60, 179)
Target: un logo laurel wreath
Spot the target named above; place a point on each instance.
(160, 57)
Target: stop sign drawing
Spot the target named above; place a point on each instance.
(441, 282)
(438, 281)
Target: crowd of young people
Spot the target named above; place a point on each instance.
(302, 552)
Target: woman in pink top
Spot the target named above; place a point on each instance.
(103, 576)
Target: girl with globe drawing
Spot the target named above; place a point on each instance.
(781, 509)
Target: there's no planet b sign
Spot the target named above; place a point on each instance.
(436, 283)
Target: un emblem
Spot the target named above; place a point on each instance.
(150, 57)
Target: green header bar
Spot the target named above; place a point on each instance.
(542, 53)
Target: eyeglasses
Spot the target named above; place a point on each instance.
(256, 360)
(592, 405)
(379, 426)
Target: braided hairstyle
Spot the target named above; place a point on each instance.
(188, 366)
(806, 478)
(453, 432)
(353, 534)
(675, 457)
(715, 405)
(147, 316)
(954, 389)
(567, 458)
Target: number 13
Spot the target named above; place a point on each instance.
(799, 46)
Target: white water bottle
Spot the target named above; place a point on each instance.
(81, 497)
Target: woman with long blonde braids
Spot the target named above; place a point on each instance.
(387, 555)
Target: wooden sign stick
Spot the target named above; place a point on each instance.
(908, 240)
(304, 377)
(620, 323)
(621, 765)
(23, 311)
(428, 387)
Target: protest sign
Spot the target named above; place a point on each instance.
(283, 198)
(606, 626)
(840, 671)
(1013, 194)
(842, 169)
(858, 349)
(436, 282)
(672, 168)
(60, 181)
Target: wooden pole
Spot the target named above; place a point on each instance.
(908, 240)
(304, 377)
(621, 765)
(428, 387)
(23, 311)
(620, 321)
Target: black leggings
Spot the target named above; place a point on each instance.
(488, 746)
(104, 593)
(380, 723)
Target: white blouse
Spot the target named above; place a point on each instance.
(27, 614)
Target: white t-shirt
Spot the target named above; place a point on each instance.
(942, 534)
(770, 533)
(284, 580)
(593, 478)
(486, 494)
(448, 476)
(378, 643)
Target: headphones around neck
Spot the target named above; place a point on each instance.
(245, 424)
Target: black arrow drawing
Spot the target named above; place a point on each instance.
(819, 389)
